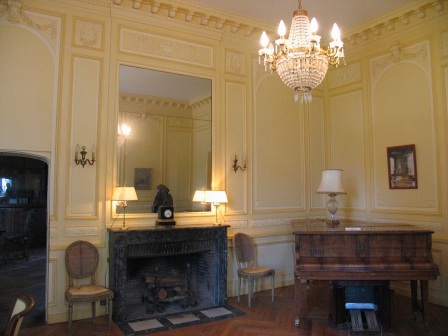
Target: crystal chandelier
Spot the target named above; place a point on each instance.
(299, 60)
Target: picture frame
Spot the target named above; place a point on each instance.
(143, 179)
(402, 167)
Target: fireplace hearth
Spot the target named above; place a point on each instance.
(163, 270)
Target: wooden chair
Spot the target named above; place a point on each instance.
(81, 261)
(21, 306)
(247, 268)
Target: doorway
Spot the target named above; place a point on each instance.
(23, 229)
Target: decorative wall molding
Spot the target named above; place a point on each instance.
(88, 33)
(237, 224)
(418, 53)
(235, 63)
(53, 233)
(345, 75)
(269, 222)
(179, 122)
(78, 231)
(217, 20)
(52, 281)
(131, 98)
(48, 28)
(395, 21)
(144, 103)
(145, 44)
(191, 14)
(445, 44)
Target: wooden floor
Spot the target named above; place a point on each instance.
(265, 318)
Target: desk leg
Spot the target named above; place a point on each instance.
(424, 300)
(297, 301)
(414, 298)
(424, 296)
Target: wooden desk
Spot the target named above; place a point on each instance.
(365, 252)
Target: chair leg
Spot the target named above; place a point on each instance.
(239, 286)
(70, 316)
(94, 312)
(272, 286)
(110, 313)
(249, 294)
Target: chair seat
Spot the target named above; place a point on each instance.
(256, 272)
(86, 291)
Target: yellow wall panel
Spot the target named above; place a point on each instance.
(347, 129)
(403, 114)
(278, 146)
(85, 110)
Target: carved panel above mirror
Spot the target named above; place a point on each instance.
(169, 116)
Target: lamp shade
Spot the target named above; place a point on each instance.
(331, 182)
(124, 194)
(199, 196)
(215, 196)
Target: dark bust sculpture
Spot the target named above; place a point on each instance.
(163, 198)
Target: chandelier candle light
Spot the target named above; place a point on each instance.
(299, 60)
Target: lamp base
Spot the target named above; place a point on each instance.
(332, 223)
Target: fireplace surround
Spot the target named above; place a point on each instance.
(197, 254)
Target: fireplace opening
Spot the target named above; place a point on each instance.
(163, 285)
(159, 271)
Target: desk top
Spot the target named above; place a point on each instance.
(346, 227)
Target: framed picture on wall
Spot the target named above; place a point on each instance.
(143, 178)
(402, 166)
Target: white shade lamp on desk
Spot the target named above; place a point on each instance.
(121, 195)
(331, 184)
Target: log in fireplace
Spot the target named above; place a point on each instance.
(162, 270)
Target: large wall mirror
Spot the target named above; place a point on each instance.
(169, 116)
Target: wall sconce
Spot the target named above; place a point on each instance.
(331, 184)
(123, 133)
(123, 194)
(235, 165)
(83, 161)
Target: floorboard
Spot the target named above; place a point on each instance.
(265, 318)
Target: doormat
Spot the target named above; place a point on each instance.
(180, 320)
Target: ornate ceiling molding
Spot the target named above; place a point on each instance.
(395, 21)
(234, 25)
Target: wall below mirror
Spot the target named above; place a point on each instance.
(169, 116)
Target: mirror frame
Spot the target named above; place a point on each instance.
(115, 214)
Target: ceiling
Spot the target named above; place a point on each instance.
(346, 13)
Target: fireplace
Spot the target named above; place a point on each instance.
(163, 270)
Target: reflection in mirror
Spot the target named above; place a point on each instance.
(169, 118)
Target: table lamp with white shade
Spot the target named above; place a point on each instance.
(216, 197)
(331, 184)
(121, 195)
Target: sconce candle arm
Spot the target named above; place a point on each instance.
(236, 167)
(83, 161)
